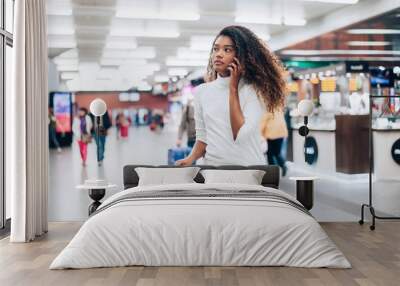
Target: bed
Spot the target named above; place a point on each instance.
(198, 224)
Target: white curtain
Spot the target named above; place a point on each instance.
(27, 133)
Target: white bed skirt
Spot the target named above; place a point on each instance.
(200, 232)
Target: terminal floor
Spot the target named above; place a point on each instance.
(336, 198)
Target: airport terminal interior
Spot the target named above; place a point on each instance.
(123, 85)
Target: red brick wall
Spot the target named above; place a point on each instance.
(147, 100)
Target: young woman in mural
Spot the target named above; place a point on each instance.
(244, 80)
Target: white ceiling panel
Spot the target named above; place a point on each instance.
(59, 7)
(122, 43)
(60, 25)
(61, 41)
(182, 10)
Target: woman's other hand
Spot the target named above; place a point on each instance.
(188, 161)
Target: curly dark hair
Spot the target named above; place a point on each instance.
(262, 69)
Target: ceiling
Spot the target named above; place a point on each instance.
(124, 44)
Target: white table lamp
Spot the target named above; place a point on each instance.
(98, 107)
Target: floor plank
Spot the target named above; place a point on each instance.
(375, 257)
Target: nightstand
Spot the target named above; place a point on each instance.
(96, 193)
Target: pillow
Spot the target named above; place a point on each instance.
(249, 177)
(164, 176)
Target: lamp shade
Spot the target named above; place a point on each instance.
(305, 107)
(98, 107)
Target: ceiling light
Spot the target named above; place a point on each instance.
(132, 69)
(143, 53)
(121, 43)
(170, 34)
(117, 61)
(140, 53)
(373, 31)
(185, 53)
(66, 61)
(257, 20)
(161, 78)
(143, 28)
(69, 75)
(111, 61)
(294, 22)
(171, 15)
(289, 21)
(144, 34)
(368, 43)
(160, 9)
(177, 72)
(115, 54)
(171, 61)
(62, 68)
(144, 86)
(334, 1)
(154, 66)
(70, 54)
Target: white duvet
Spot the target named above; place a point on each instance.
(193, 231)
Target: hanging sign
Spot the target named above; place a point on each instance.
(310, 150)
(357, 67)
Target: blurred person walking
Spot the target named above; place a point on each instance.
(274, 130)
(52, 129)
(81, 127)
(105, 124)
(124, 126)
(118, 124)
(187, 124)
(157, 120)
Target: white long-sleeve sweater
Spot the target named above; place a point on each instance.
(213, 125)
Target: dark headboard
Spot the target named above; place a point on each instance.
(270, 179)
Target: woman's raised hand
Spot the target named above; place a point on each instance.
(236, 70)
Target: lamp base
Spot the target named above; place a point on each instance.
(96, 195)
(303, 130)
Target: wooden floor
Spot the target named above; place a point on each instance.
(375, 257)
